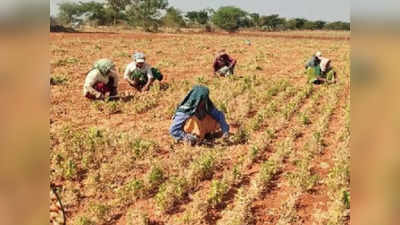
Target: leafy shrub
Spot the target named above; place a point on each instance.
(229, 18)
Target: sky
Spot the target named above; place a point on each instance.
(308, 9)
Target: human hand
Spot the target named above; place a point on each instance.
(191, 139)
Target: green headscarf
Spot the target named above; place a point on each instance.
(104, 66)
(193, 98)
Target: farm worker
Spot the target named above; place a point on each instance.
(141, 75)
(224, 65)
(318, 70)
(196, 117)
(327, 71)
(314, 61)
(100, 80)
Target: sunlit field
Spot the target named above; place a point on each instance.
(287, 160)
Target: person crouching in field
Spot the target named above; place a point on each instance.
(100, 80)
(224, 65)
(319, 70)
(197, 118)
(141, 75)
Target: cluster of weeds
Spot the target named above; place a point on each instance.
(145, 105)
(58, 80)
(83, 220)
(141, 148)
(155, 177)
(257, 122)
(100, 213)
(108, 107)
(66, 61)
(241, 136)
(253, 153)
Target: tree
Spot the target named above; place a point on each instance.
(146, 13)
(173, 18)
(297, 23)
(67, 12)
(338, 25)
(229, 18)
(201, 17)
(116, 7)
(319, 24)
(255, 19)
(273, 22)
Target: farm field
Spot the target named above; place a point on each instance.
(287, 160)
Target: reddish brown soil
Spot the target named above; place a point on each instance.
(185, 57)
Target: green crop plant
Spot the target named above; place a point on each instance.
(241, 136)
(112, 107)
(170, 192)
(217, 191)
(253, 153)
(202, 168)
(66, 61)
(100, 212)
(70, 170)
(257, 121)
(155, 177)
(83, 220)
(304, 118)
(135, 188)
(141, 148)
(136, 217)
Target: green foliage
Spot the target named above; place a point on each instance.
(135, 217)
(170, 192)
(304, 118)
(202, 168)
(66, 61)
(155, 177)
(217, 191)
(267, 170)
(141, 148)
(83, 220)
(67, 11)
(241, 136)
(338, 25)
(173, 18)
(58, 80)
(100, 211)
(146, 13)
(201, 17)
(346, 199)
(273, 22)
(229, 18)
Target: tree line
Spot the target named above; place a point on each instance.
(152, 14)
